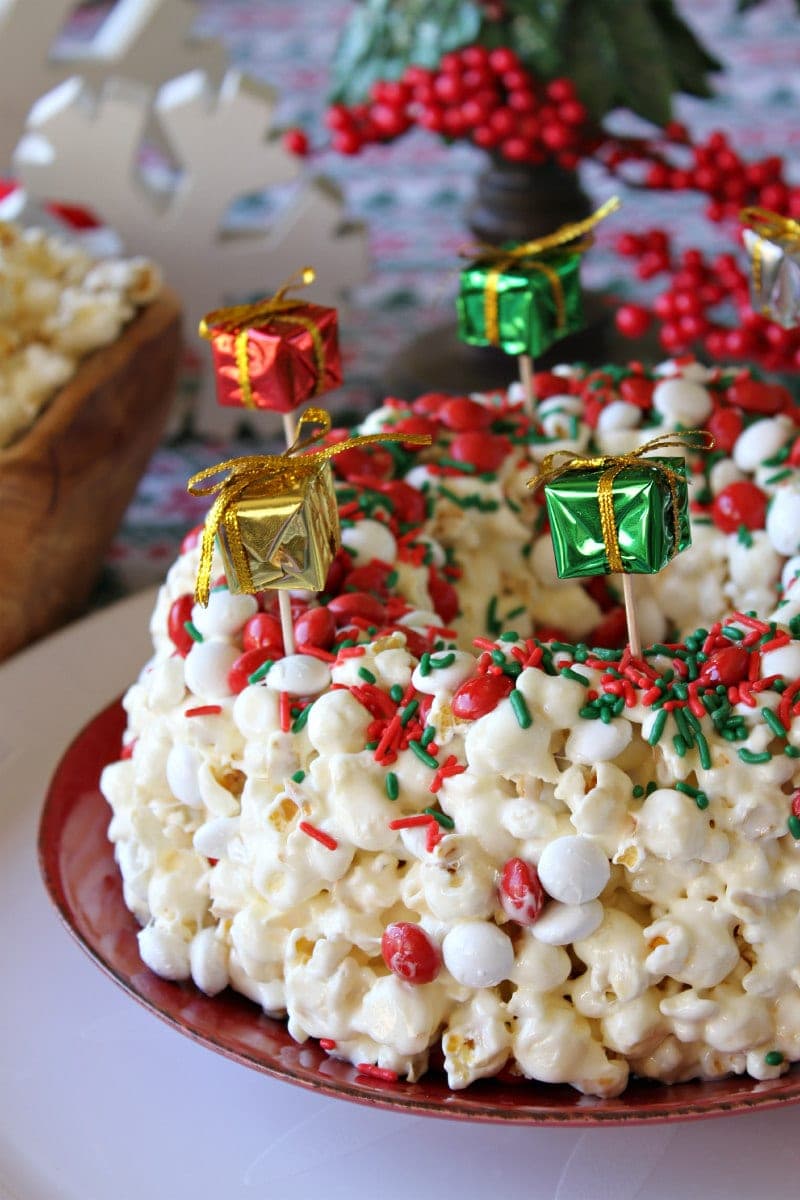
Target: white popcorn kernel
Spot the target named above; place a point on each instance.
(164, 951)
(783, 519)
(338, 723)
(299, 675)
(403, 1017)
(206, 669)
(478, 954)
(682, 401)
(540, 966)
(790, 572)
(783, 661)
(208, 960)
(671, 826)
(368, 539)
(225, 614)
(573, 869)
(211, 838)
(560, 924)
(761, 440)
(183, 769)
(593, 741)
(543, 563)
(165, 685)
(477, 1040)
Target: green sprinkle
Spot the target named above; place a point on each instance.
(260, 672)
(683, 726)
(568, 673)
(372, 745)
(733, 631)
(776, 459)
(392, 578)
(773, 720)
(779, 476)
(744, 537)
(701, 800)
(492, 624)
(794, 626)
(407, 713)
(686, 788)
(366, 674)
(753, 757)
(425, 664)
(392, 786)
(651, 787)
(467, 467)
(791, 751)
(794, 827)
(423, 756)
(638, 791)
(773, 1058)
(192, 630)
(589, 713)
(680, 744)
(606, 715)
(428, 736)
(298, 777)
(498, 658)
(396, 692)
(443, 819)
(658, 728)
(521, 711)
(703, 751)
(446, 660)
(300, 721)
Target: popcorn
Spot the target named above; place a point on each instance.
(57, 305)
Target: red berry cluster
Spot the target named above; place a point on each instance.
(697, 286)
(486, 96)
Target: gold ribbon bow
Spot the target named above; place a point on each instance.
(239, 318)
(611, 465)
(768, 226)
(529, 255)
(280, 472)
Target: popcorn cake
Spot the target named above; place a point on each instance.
(462, 822)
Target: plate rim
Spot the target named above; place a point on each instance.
(583, 1115)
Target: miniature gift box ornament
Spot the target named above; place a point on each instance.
(276, 353)
(274, 516)
(623, 513)
(523, 296)
(773, 245)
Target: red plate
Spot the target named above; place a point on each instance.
(78, 865)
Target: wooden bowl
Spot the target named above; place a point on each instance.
(65, 484)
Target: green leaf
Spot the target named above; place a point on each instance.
(644, 81)
(691, 62)
(590, 59)
(537, 34)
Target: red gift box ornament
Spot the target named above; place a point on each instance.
(275, 353)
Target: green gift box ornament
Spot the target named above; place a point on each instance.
(523, 296)
(624, 513)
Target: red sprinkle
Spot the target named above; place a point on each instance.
(327, 1043)
(415, 822)
(377, 1072)
(285, 709)
(204, 710)
(319, 835)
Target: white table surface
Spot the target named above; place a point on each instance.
(101, 1101)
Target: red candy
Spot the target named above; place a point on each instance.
(370, 578)
(739, 504)
(612, 631)
(248, 663)
(430, 403)
(316, 627)
(480, 695)
(356, 604)
(485, 451)
(443, 595)
(545, 385)
(262, 630)
(728, 666)
(408, 503)
(417, 424)
(638, 390)
(462, 414)
(725, 424)
(755, 396)
(359, 461)
(408, 952)
(180, 612)
(521, 894)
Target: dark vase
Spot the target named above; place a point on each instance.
(512, 202)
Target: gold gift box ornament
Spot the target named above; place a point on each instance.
(275, 516)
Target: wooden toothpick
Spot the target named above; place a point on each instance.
(289, 428)
(634, 637)
(287, 624)
(526, 379)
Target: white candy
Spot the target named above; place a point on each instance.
(783, 519)
(561, 924)
(225, 613)
(565, 403)
(478, 954)
(682, 401)
(444, 679)
(165, 686)
(208, 959)
(207, 667)
(164, 951)
(593, 741)
(299, 675)
(183, 767)
(573, 869)
(783, 661)
(791, 570)
(418, 618)
(370, 539)
(337, 723)
(723, 473)
(761, 440)
(618, 415)
(212, 837)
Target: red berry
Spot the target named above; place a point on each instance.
(503, 121)
(560, 90)
(725, 425)
(296, 142)
(521, 894)
(728, 666)
(629, 245)
(462, 414)
(632, 320)
(409, 952)
(262, 630)
(515, 149)
(740, 503)
(346, 141)
(503, 59)
(316, 627)
(485, 451)
(480, 695)
(247, 664)
(573, 112)
(347, 605)
(180, 612)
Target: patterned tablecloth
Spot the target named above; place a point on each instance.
(412, 194)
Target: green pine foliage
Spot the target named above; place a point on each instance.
(635, 54)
